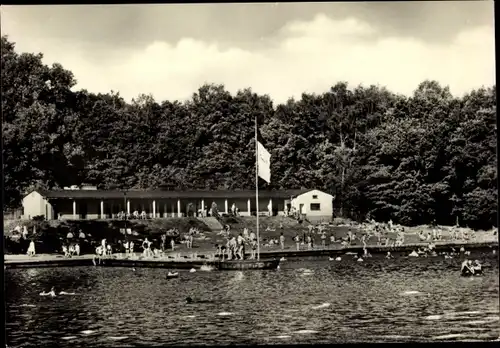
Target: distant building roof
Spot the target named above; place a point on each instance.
(159, 194)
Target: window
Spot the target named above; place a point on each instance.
(315, 207)
(315, 196)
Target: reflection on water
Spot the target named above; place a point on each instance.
(304, 302)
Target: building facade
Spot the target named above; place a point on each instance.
(314, 204)
(75, 204)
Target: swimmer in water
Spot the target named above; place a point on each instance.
(388, 256)
(52, 293)
(477, 266)
(467, 266)
(189, 300)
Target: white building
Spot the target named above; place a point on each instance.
(314, 205)
(90, 203)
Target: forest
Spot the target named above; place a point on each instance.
(429, 157)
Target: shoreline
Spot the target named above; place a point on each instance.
(184, 262)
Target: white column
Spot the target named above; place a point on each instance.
(225, 206)
(270, 208)
(154, 209)
(173, 210)
(74, 209)
(128, 207)
(202, 207)
(179, 208)
(102, 209)
(165, 210)
(249, 206)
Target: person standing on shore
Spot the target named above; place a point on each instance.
(309, 243)
(282, 241)
(145, 247)
(297, 241)
(163, 242)
(253, 245)
(230, 248)
(31, 249)
(252, 236)
(241, 247)
(323, 239)
(363, 240)
(191, 239)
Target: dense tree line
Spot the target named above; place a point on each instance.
(430, 156)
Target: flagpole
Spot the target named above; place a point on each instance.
(257, 187)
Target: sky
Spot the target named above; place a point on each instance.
(279, 49)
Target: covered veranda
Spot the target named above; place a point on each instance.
(108, 204)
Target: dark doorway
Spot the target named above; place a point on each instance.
(83, 210)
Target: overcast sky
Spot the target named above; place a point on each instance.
(278, 49)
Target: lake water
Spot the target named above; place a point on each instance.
(306, 301)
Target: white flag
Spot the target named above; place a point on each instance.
(264, 162)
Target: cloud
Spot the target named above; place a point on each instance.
(304, 56)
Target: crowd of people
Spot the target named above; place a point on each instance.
(235, 246)
(71, 246)
(135, 215)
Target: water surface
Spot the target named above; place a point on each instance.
(306, 301)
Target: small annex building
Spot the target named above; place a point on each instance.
(314, 204)
(90, 203)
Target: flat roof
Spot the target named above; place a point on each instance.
(160, 194)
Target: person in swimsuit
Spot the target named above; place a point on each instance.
(477, 267)
(254, 248)
(240, 247)
(467, 267)
(309, 243)
(98, 254)
(51, 293)
(223, 250)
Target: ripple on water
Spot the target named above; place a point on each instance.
(88, 332)
(305, 332)
(117, 338)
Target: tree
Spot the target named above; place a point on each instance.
(429, 156)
